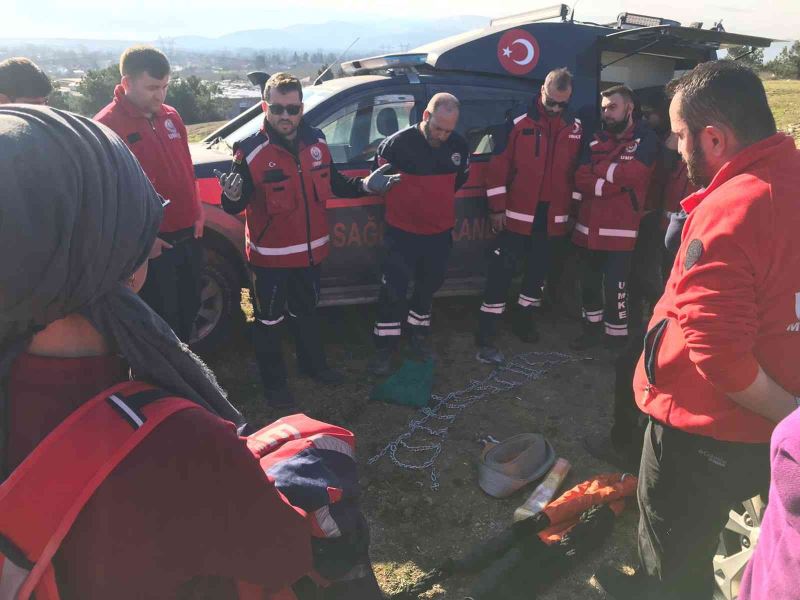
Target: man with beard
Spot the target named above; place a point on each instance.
(529, 189)
(719, 366)
(282, 176)
(651, 263)
(611, 183)
(433, 161)
(157, 137)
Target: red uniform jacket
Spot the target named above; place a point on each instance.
(423, 201)
(162, 148)
(732, 301)
(535, 161)
(611, 183)
(284, 192)
(669, 184)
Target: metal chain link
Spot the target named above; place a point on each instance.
(516, 372)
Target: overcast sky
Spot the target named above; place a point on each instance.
(150, 19)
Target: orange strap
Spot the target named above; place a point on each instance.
(71, 463)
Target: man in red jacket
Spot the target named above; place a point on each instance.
(611, 183)
(157, 137)
(720, 362)
(529, 189)
(433, 160)
(282, 176)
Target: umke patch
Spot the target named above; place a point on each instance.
(693, 254)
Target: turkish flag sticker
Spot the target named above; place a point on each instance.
(518, 52)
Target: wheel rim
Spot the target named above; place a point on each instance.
(212, 305)
(736, 547)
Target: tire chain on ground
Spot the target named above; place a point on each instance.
(516, 372)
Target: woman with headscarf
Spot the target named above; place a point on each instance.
(188, 511)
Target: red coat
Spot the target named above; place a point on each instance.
(535, 161)
(423, 201)
(162, 148)
(669, 184)
(732, 301)
(611, 183)
(285, 198)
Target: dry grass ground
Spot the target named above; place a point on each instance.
(415, 528)
(784, 99)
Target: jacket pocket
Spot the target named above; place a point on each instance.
(280, 195)
(652, 341)
(322, 183)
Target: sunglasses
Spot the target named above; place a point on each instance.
(291, 109)
(550, 103)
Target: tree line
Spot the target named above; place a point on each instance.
(784, 66)
(196, 100)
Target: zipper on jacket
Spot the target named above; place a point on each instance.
(538, 140)
(308, 216)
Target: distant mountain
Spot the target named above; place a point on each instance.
(375, 36)
(337, 35)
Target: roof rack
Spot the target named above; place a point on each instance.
(542, 14)
(388, 61)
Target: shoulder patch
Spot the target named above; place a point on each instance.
(519, 118)
(693, 254)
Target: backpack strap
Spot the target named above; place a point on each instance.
(44, 495)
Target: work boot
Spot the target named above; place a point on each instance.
(615, 343)
(280, 398)
(422, 348)
(489, 355)
(329, 376)
(525, 326)
(381, 361)
(591, 336)
(602, 448)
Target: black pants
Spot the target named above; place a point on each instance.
(409, 256)
(628, 426)
(687, 486)
(646, 282)
(543, 257)
(604, 291)
(281, 295)
(172, 287)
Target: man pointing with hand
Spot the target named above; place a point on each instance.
(282, 176)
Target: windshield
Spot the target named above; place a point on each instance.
(312, 96)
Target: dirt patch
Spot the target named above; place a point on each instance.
(413, 527)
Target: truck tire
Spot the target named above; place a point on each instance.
(220, 311)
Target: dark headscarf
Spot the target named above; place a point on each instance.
(77, 218)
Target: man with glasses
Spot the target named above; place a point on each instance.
(282, 176)
(157, 137)
(22, 82)
(529, 189)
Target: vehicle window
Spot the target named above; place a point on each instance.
(484, 112)
(355, 130)
(312, 96)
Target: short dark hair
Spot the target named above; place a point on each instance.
(622, 90)
(21, 78)
(724, 92)
(560, 78)
(143, 59)
(283, 82)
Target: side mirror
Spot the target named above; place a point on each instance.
(259, 79)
